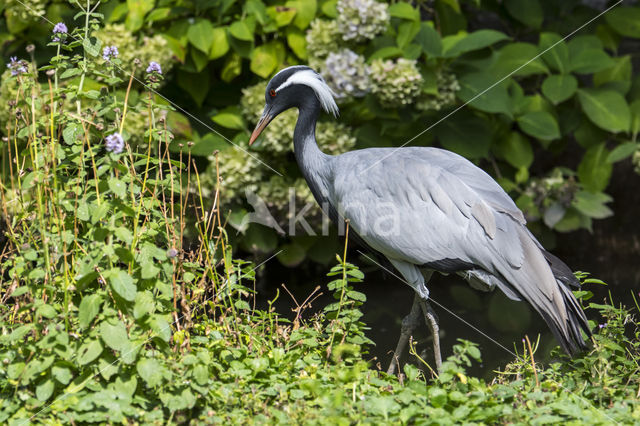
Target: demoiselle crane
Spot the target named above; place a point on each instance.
(427, 209)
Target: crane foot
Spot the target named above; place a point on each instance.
(432, 322)
(409, 324)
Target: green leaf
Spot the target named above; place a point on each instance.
(92, 46)
(515, 149)
(297, 41)
(529, 12)
(559, 88)
(481, 91)
(137, 10)
(592, 204)
(122, 283)
(635, 117)
(232, 68)
(44, 390)
(588, 61)
(517, 59)
(625, 21)
(474, 41)
(466, 134)
(161, 327)
(150, 370)
(404, 11)
(386, 52)
(197, 85)
(117, 187)
(540, 125)
(72, 133)
(281, 15)
(618, 77)
(407, 31)
(607, 109)
(622, 151)
(61, 373)
(241, 31)
(89, 351)
(219, 43)
(88, 309)
(429, 40)
(201, 35)
(230, 118)
(556, 52)
(149, 270)
(594, 170)
(266, 58)
(305, 12)
(144, 305)
(114, 335)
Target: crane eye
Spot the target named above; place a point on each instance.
(272, 93)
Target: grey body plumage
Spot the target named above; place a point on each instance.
(428, 209)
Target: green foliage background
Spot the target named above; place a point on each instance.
(550, 129)
(108, 314)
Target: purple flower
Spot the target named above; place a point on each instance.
(154, 67)
(109, 53)
(114, 143)
(603, 325)
(59, 29)
(16, 66)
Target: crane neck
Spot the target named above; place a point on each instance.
(313, 163)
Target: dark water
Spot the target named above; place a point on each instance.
(611, 253)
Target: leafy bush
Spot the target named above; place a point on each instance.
(398, 69)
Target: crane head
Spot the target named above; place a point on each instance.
(284, 92)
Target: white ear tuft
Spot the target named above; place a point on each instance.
(323, 92)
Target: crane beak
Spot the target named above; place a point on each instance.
(264, 121)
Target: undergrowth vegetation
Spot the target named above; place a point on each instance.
(107, 315)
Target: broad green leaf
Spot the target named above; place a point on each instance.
(481, 91)
(297, 41)
(466, 134)
(61, 373)
(206, 145)
(266, 58)
(117, 187)
(241, 31)
(592, 204)
(230, 118)
(622, 151)
(529, 12)
(618, 77)
(518, 59)
(201, 35)
(540, 125)
(474, 41)
(144, 305)
(72, 133)
(219, 44)
(149, 270)
(44, 390)
(114, 335)
(559, 88)
(406, 33)
(625, 21)
(161, 327)
(232, 68)
(281, 15)
(150, 370)
(137, 9)
(122, 283)
(607, 109)
(88, 309)
(556, 52)
(89, 351)
(515, 149)
(589, 61)
(92, 46)
(200, 59)
(386, 52)
(405, 11)
(429, 40)
(305, 12)
(594, 170)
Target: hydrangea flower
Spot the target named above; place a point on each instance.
(154, 67)
(114, 143)
(448, 85)
(361, 20)
(322, 38)
(109, 53)
(59, 30)
(347, 74)
(16, 66)
(396, 83)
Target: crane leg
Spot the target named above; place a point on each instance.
(409, 324)
(432, 322)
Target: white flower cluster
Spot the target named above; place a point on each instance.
(322, 38)
(396, 83)
(361, 20)
(29, 13)
(448, 85)
(347, 74)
